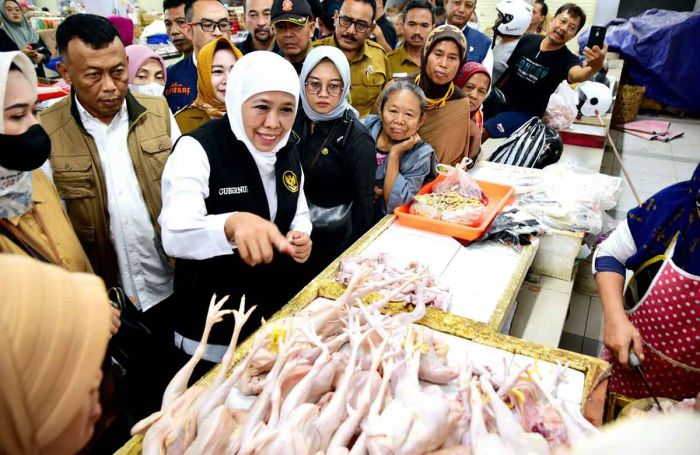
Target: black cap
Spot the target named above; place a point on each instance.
(295, 11)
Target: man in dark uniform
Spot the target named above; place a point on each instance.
(294, 28)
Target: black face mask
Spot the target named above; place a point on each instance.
(26, 151)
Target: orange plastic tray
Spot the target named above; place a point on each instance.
(499, 196)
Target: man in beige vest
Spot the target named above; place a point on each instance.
(109, 147)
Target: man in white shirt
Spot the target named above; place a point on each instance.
(109, 148)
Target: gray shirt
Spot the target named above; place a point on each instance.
(501, 53)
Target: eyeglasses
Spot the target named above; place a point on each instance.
(315, 87)
(209, 26)
(360, 25)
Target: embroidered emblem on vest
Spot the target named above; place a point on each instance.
(290, 181)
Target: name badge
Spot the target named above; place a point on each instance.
(233, 190)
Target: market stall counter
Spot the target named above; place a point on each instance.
(464, 348)
(483, 279)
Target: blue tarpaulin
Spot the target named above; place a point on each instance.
(661, 48)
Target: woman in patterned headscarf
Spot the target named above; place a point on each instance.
(447, 124)
(659, 315)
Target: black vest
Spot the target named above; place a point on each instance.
(235, 185)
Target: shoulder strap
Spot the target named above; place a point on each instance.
(23, 246)
(323, 144)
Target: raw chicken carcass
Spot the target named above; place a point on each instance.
(416, 419)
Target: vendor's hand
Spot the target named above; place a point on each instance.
(404, 146)
(301, 245)
(595, 57)
(116, 321)
(618, 335)
(256, 238)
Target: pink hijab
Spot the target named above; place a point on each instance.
(138, 54)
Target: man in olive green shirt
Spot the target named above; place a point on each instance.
(369, 67)
(418, 21)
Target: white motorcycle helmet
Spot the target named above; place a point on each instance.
(514, 17)
(593, 98)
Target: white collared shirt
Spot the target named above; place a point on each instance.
(145, 275)
(188, 231)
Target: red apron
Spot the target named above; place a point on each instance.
(668, 319)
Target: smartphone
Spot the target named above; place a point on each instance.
(596, 37)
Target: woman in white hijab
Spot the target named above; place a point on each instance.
(234, 212)
(337, 154)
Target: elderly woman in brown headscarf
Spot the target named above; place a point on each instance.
(54, 328)
(447, 125)
(214, 62)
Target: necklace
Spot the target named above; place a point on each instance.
(431, 103)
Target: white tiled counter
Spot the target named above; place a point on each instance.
(483, 278)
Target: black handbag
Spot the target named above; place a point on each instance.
(330, 218)
(335, 221)
(133, 334)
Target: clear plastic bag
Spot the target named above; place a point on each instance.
(562, 108)
(456, 199)
(572, 198)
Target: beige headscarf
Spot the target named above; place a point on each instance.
(54, 329)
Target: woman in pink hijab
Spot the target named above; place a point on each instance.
(147, 73)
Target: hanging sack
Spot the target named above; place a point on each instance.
(532, 145)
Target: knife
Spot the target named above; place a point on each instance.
(636, 365)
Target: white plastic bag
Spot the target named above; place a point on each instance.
(572, 198)
(562, 108)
